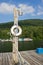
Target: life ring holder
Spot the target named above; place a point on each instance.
(16, 27)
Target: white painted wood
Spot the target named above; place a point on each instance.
(15, 39)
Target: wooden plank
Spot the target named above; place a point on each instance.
(30, 56)
(27, 57)
(6, 59)
(0, 58)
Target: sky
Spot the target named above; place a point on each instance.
(32, 9)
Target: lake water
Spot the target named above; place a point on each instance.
(7, 46)
(30, 45)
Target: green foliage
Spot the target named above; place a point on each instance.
(5, 47)
(34, 32)
(4, 34)
(6, 25)
(31, 28)
(31, 22)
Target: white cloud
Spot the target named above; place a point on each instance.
(40, 7)
(33, 14)
(6, 8)
(40, 13)
(40, 10)
(26, 9)
(42, 0)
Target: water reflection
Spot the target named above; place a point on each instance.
(30, 45)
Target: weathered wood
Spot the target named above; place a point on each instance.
(15, 39)
(6, 59)
(30, 56)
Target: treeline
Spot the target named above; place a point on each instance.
(31, 29)
(4, 33)
(34, 32)
(31, 22)
(6, 25)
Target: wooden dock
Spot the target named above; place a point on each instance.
(30, 56)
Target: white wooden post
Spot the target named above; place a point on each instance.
(16, 31)
(15, 39)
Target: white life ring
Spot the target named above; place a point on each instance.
(17, 33)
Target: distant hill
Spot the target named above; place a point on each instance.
(31, 22)
(31, 29)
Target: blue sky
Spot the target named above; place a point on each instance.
(32, 9)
